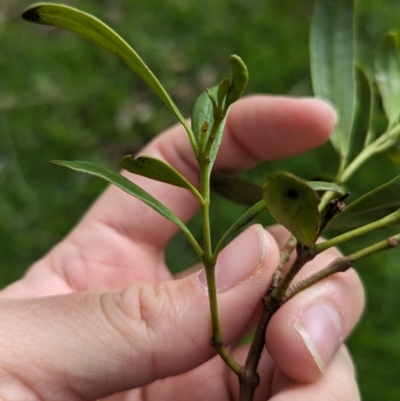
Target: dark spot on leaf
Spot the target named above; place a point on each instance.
(292, 193)
(204, 128)
(32, 15)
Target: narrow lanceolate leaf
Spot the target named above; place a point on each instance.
(157, 170)
(239, 224)
(132, 189)
(387, 74)
(332, 65)
(371, 207)
(97, 32)
(294, 204)
(236, 189)
(367, 100)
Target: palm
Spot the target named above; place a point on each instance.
(121, 241)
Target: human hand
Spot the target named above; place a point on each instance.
(100, 314)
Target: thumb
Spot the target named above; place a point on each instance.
(94, 344)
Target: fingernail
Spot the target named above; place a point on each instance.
(320, 328)
(239, 260)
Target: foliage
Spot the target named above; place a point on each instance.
(57, 140)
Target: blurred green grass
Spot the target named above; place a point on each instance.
(61, 97)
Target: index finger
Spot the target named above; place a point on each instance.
(258, 128)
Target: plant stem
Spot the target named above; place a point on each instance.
(342, 264)
(205, 212)
(326, 198)
(249, 377)
(304, 255)
(208, 261)
(209, 266)
(271, 302)
(281, 289)
(376, 225)
(216, 340)
(286, 251)
(379, 145)
(284, 256)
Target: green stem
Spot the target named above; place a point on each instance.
(209, 263)
(379, 145)
(205, 212)
(376, 225)
(326, 198)
(216, 340)
(342, 166)
(342, 264)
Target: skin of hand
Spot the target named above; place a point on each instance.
(101, 317)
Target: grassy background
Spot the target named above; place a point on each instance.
(61, 97)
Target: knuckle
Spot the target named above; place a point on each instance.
(150, 309)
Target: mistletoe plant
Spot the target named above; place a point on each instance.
(306, 209)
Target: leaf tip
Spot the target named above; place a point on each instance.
(56, 163)
(32, 14)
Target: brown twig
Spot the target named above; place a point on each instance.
(278, 294)
(249, 377)
(284, 256)
(271, 302)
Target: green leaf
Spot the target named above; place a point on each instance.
(203, 117)
(332, 65)
(244, 192)
(370, 207)
(326, 186)
(223, 89)
(394, 154)
(216, 141)
(236, 189)
(365, 103)
(99, 33)
(239, 224)
(157, 170)
(387, 74)
(203, 121)
(132, 189)
(294, 204)
(240, 78)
